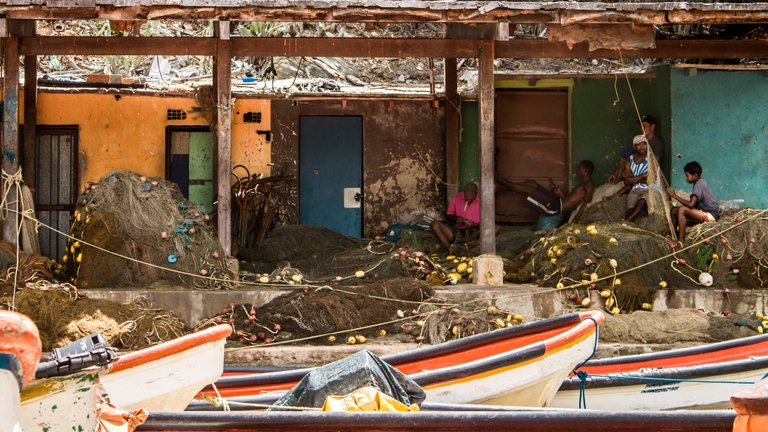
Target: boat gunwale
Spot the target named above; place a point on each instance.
(171, 347)
(525, 419)
(674, 374)
(579, 324)
(680, 352)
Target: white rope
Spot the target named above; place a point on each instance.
(13, 183)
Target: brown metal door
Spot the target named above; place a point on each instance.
(56, 185)
(531, 144)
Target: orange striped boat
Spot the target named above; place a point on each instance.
(700, 377)
(166, 377)
(19, 354)
(521, 366)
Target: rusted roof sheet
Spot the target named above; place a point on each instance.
(559, 12)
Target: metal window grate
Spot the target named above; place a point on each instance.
(252, 117)
(176, 114)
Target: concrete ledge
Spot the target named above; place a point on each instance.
(532, 302)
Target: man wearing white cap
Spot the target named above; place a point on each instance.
(636, 176)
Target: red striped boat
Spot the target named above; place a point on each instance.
(520, 366)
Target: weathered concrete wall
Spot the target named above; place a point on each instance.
(720, 119)
(403, 156)
(604, 120)
(127, 132)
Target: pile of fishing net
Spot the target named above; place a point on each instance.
(138, 227)
(673, 326)
(436, 322)
(320, 312)
(319, 255)
(576, 258)
(739, 240)
(63, 316)
(30, 269)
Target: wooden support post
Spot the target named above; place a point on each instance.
(10, 152)
(30, 113)
(451, 128)
(222, 86)
(486, 104)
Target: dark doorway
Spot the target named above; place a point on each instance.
(56, 184)
(531, 144)
(189, 163)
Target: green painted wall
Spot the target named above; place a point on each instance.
(469, 153)
(604, 120)
(720, 119)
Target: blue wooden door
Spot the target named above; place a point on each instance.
(330, 172)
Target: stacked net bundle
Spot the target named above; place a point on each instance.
(739, 240)
(144, 220)
(319, 255)
(576, 258)
(322, 311)
(31, 268)
(63, 315)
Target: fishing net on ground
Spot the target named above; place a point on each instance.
(319, 255)
(304, 312)
(739, 245)
(671, 326)
(31, 269)
(63, 316)
(148, 221)
(576, 258)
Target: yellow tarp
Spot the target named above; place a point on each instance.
(366, 399)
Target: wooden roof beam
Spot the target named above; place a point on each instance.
(381, 48)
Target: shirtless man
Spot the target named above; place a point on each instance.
(552, 202)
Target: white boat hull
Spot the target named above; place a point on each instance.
(9, 402)
(530, 384)
(662, 395)
(61, 404)
(169, 383)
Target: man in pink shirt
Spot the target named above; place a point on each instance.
(463, 213)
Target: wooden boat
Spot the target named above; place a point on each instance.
(461, 418)
(521, 366)
(19, 355)
(166, 377)
(701, 377)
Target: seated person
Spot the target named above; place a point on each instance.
(463, 214)
(553, 202)
(636, 177)
(656, 143)
(701, 207)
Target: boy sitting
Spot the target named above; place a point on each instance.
(702, 207)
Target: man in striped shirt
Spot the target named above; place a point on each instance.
(636, 176)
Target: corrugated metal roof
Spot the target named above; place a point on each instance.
(384, 10)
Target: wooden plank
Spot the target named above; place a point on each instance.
(10, 152)
(723, 49)
(451, 128)
(353, 47)
(74, 45)
(486, 91)
(30, 113)
(381, 48)
(222, 87)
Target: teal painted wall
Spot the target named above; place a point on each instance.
(720, 119)
(469, 159)
(604, 120)
(602, 123)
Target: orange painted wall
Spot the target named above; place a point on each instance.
(127, 133)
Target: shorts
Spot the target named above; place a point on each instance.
(545, 201)
(635, 195)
